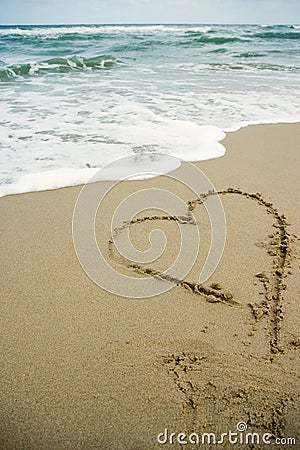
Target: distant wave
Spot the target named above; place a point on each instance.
(249, 55)
(256, 66)
(60, 30)
(190, 41)
(271, 35)
(219, 50)
(217, 40)
(139, 46)
(242, 66)
(199, 31)
(57, 65)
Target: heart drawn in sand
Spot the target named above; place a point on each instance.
(279, 248)
(99, 269)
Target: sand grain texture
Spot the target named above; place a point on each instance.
(83, 369)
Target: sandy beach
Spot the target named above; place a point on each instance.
(84, 369)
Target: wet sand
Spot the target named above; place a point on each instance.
(84, 369)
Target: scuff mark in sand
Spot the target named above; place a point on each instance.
(209, 390)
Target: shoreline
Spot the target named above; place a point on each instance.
(86, 369)
(254, 123)
(227, 132)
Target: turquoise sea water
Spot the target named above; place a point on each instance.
(80, 95)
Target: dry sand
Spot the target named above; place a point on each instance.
(84, 369)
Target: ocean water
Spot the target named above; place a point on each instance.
(74, 98)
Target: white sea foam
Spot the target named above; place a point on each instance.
(147, 166)
(146, 138)
(50, 142)
(94, 30)
(61, 120)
